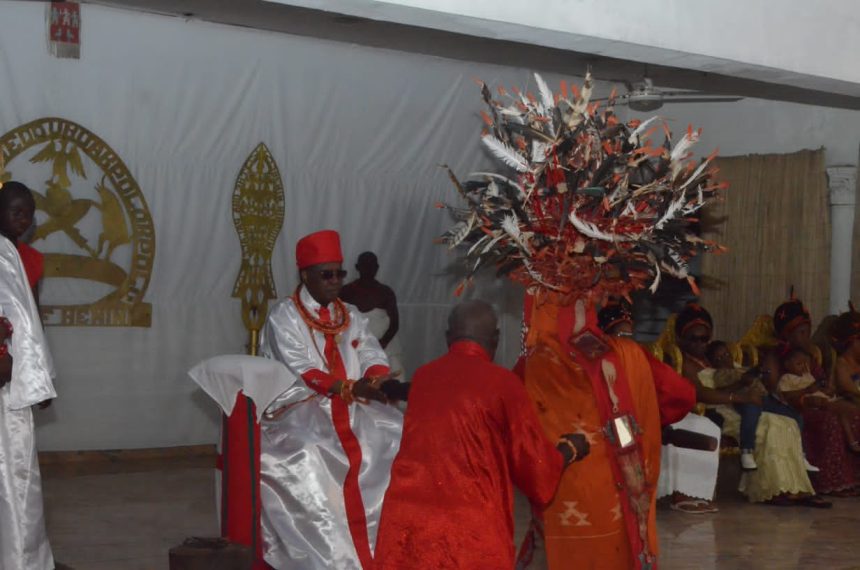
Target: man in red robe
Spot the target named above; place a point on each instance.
(470, 433)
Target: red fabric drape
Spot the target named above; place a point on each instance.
(240, 483)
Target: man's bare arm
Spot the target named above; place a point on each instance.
(393, 317)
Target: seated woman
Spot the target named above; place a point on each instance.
(690, 476)
(845, 337)
(798, 387)
(739, 382)
(824, 436)
(780, 477)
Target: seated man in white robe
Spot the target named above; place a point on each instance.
(378, 303)
(26, 373)
(328, 442)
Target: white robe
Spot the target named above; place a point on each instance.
(23, 540)
(303, 465)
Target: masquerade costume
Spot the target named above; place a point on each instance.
(588, 208)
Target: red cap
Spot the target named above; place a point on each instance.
(319, 247)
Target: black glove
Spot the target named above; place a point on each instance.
(579, 443)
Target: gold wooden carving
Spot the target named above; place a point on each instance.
(73, 192)
(760, 334)
(665, 348)
(258, 214)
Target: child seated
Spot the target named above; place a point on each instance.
(745, 391)
(798, 385)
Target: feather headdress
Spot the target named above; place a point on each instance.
(587, 205)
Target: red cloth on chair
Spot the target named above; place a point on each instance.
(240, 479)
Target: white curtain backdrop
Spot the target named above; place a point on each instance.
(358, 134)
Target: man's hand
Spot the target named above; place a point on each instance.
(750, 376)
(750, 397)
(46, 404)
(395, 390)
(5, 329)
(816, 402)
(364, 389)
(578, 442)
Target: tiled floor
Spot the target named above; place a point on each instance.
(128, 521)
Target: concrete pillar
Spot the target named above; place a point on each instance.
(842, 181)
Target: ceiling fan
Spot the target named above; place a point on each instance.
(643, 96)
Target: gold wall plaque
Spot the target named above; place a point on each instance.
(258, 214)
(75, 191)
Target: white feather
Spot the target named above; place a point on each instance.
(629, 210)
(590, 230)
(505, 153)
(584, 96)
(695, 174)
(539, 151)
(476, 244)
(681, 271)
(492, 175)
(514, 116)
(657, 274)
(511, 226)
(640, 130)
(681, 150)
(674, 207)
(545, 94)
(493, 242)
(683, 146)
(538, 277)
(460, 231)
(511, 111)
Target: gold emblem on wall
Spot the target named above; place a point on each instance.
(258, 214)
(92, 223)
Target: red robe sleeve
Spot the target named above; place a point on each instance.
(536, 465)
(319, 381)
(322, 382)
(676, 396)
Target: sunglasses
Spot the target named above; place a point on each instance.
(331, 274)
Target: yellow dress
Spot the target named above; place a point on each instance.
(778, 452)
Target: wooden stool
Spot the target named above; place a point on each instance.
(210, 554)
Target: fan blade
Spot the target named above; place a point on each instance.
(705, 99)
(620, 99)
